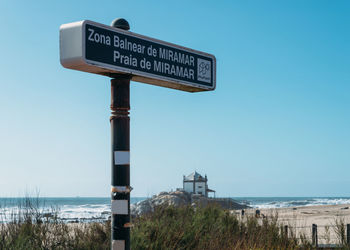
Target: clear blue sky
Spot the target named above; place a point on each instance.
(277, 124)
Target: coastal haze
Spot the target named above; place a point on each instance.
(276, 125)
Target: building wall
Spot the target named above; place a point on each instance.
(188, 187)
(200, 188)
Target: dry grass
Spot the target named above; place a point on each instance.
(32, 228)
(166, 228)
(208, 228)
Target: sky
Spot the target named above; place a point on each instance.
(276, 125)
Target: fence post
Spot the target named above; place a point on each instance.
(286, 231)
(348, 234)
(314, 235)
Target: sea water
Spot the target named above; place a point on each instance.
(70, 209)
(87, 209)
(285, 202)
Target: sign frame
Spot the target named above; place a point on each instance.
(73, 56)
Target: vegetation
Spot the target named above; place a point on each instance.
(207, 228)
(166, 228)
(32, 228)
(339, 224)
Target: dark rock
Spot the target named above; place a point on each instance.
(181, 198)
(47, 215)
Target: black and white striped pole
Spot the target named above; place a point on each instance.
(120, 139)
(113, 51)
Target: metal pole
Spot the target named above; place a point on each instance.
(120, 135)
(120, 140)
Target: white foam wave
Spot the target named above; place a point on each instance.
(300, 203)
(85, 211)
(101, 211)
(66, 212)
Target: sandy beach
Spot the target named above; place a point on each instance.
(300, 220)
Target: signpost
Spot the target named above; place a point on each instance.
(101, 49)
(124, 56)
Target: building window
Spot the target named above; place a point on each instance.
(199, 186)
(199, 192)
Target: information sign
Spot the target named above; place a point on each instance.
(101, 49)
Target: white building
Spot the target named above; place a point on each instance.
(196, 184)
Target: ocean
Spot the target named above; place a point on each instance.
(283, 202)
(98, 209)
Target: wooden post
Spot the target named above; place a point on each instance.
(314, 235)
(286, 231)
(348, 234)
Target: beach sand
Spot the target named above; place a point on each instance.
(300, 220)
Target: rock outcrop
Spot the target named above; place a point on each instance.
(181, 198)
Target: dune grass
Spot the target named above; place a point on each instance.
(165, 228)
(207, 228)
(30, 227)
